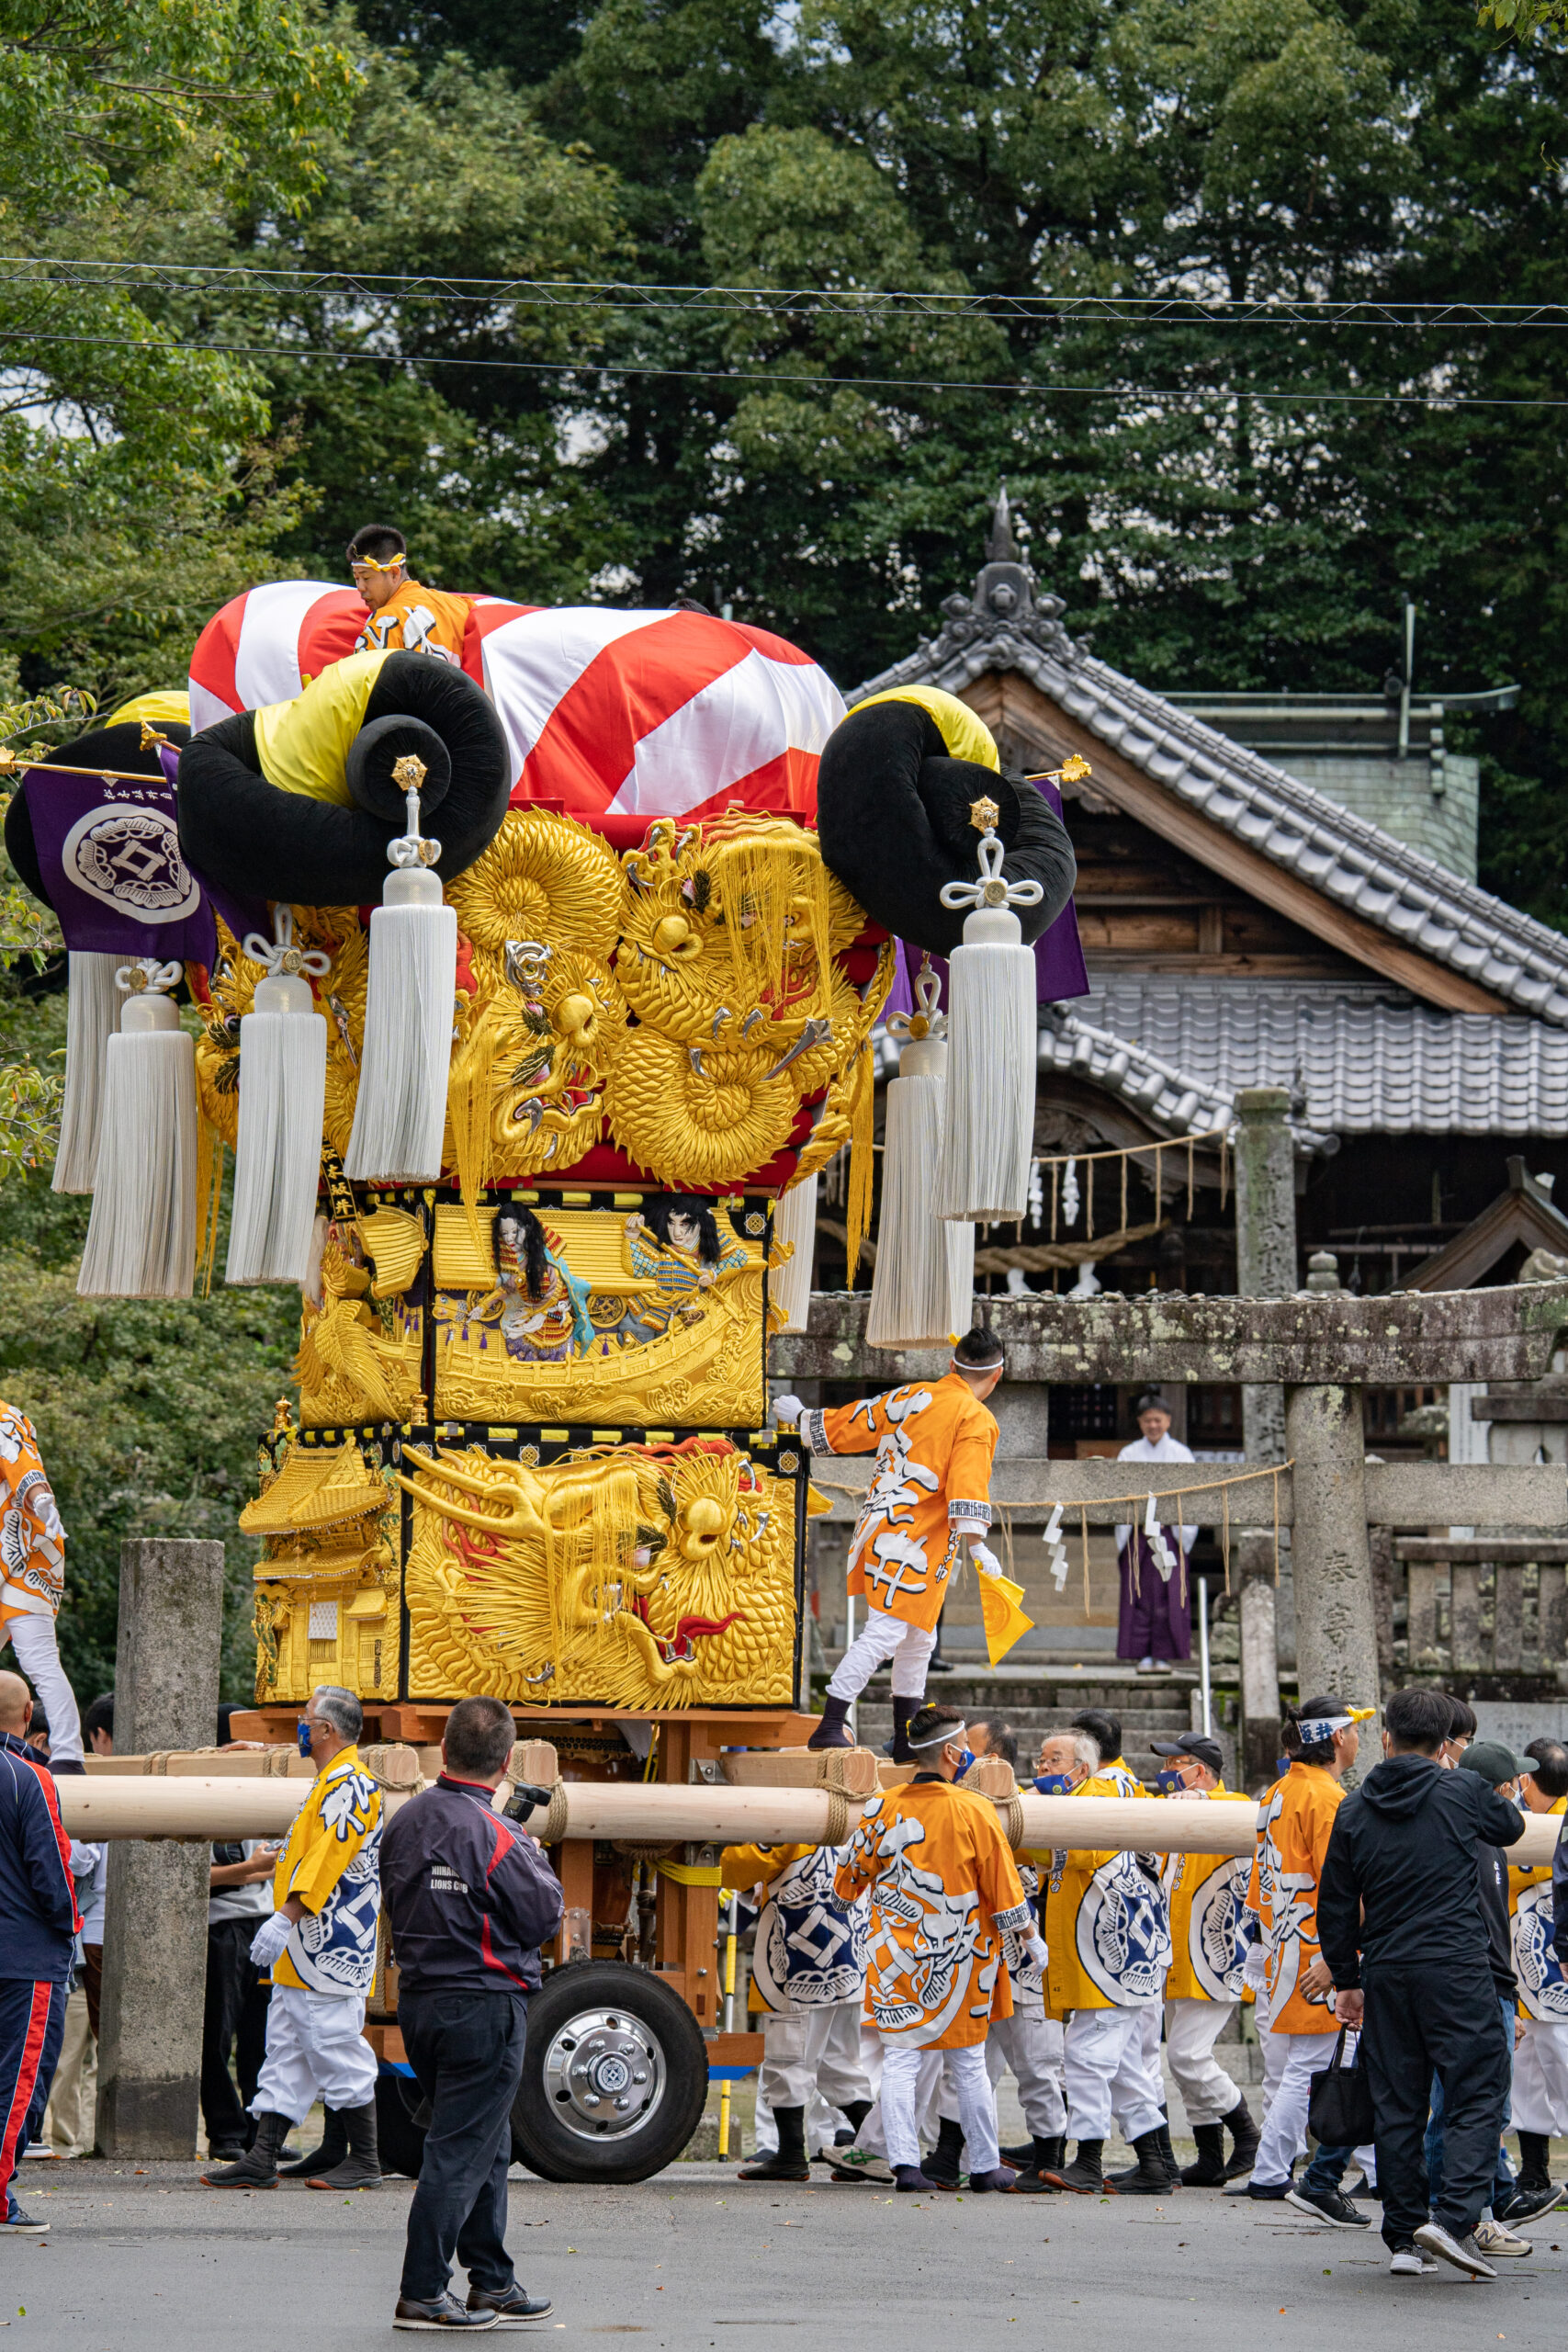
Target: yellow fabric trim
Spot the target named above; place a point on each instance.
(303, 744)
(966, 736)
(163, 708)
(691, 1873)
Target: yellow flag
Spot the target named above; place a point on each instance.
(1005, 1620)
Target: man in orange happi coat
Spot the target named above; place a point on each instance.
(944, 1891)
(934, 1440)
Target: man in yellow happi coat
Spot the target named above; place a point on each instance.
(1108, 1932)
(1204, 1987)
(320, 1944)
(934, 1442)
(403, 615)
(944, 1892)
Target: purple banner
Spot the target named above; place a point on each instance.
(108, 851)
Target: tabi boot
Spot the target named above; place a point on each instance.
(1243, 2128)
(1149, 2177)
(833, 1729)
(1085, 2174)
(909, 2179)
(788, 2160)
(1535, 2169)
(903, 1713)
(1000, 2177)
(944, 2166)
(1135, 2175)
(1209, 2172)
(361, 2169)
(257, 2168)
(1042, 2158)
(1172, 2169)
(332, 2150)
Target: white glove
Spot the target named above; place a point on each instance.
(785, 1408)
(987, 1562)
(267, 1944)
(1253, 1966)
(1037, 1948)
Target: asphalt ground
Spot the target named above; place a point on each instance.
(150, 2261)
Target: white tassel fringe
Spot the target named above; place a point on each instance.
(403, 1064)
(795, 1221)
(91, 1016)
(141, 1237)
(923, 1281)
(990, 1076)
(277, 1156)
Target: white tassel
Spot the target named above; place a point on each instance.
(283, 1083)
(91, 1016)
(991, 1031)
(400, 1111)
(142, 1237)
(923, 1281)
(789, 1287)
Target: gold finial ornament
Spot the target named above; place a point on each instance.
(983, 815)
(1074, 770)
(408, 773)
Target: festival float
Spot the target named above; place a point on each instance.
(535, 980)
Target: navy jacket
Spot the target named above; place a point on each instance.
(468, 1896)
(38, 1903)
(1408, 1846)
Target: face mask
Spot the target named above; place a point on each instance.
(966, 1760)
(1054, 1784)
(1169, 1783)
(304, 1738)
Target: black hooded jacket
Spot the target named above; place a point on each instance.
(1406, 1846)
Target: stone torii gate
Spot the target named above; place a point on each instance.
(1317, 1351)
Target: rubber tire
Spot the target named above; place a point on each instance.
(399, 2140)
(556, 2153)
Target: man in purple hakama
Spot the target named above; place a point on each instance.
(1155, 1619)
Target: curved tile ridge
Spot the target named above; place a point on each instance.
(1349, 860)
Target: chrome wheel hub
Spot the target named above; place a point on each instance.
(604, 2074)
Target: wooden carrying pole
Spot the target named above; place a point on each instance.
(102, 1806)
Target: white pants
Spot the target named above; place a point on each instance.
(1272, 2049)
(38, 1654)
(932, 2100)
(809, 2049)
(965, 2070)
(314, 2050)
(1108, 2074)
(1540, 2100)
(1285, 2121)
(1192, 2029)
(1030, 2043)
(70, 2119)
(882, 1637)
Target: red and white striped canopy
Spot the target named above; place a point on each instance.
(608, 713)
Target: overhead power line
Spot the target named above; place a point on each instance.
(1066, 308)
(781, 379)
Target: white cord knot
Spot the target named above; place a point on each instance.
(412, 848)
(280, 956)
(146, 973)
(908, 1028)
(990, 890)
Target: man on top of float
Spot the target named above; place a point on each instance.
(934, 1443)
(403, 615)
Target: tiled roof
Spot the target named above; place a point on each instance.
(1358, 1059)
(1005, 626)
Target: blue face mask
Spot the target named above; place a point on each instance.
(963, 1763)
(1054, 1784)
(303, 1735)
(1168, 1783)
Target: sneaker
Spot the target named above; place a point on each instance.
(1330, 2206)
(514, 2309)
(1494, 2239)
(1464, 2253)
(859, 2164)
(1532, 2204)
(444, 2312)
(1409, 2262)
(18, 2224)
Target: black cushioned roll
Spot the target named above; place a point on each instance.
(893, 819)
(105, 747)
(242, 831)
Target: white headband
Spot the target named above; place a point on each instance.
(948, 1733)
(1320, 1728)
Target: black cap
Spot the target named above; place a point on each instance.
(1194, 1743)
